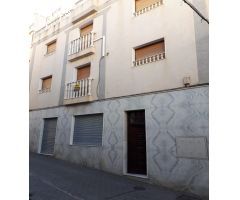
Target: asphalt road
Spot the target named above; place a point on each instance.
(52, 179)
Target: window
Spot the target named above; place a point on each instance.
(83, 72)
(51, 47)
(88, 130)
(86, 30)
(149, 53)
(46, 84)
(142, 6)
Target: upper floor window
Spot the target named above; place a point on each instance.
(150, 52)
(86, 30)
(46, 84)
(142, 6)
(83, 72)
(51, 47)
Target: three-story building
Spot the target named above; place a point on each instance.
(122, 86)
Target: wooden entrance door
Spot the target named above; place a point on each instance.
(136, 142)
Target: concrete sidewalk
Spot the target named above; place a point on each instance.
(52, 179)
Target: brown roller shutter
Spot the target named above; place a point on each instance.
(86, 30)
(83, 72)
(51, 47)
(140, 4)
(149, 50)
(46, 83)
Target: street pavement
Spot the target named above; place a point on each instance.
(53, 179)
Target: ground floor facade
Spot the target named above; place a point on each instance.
(161, 136)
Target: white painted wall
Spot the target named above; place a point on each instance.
(173, 21)
(45, 65)
(71, 72)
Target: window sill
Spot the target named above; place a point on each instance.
(49, 54)
(146, 9)
(149, 59)
(44, 91)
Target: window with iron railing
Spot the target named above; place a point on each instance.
(82, 86)
(150, 52)
(84, 42)
(142, 6)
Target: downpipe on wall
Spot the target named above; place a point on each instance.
(103, 50)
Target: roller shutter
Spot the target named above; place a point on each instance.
(86, 30)
(83, 72)
(88, 130)
(51, 47)
(49, 133)
(141, 4)
(150, 50)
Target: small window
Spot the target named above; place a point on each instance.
(86, 30)
(83, 72)
(51, 47)
(88, 130)
(149, 53)
(46, 84)
(142, 6)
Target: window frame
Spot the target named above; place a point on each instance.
(82, 67)
(73, 122)
(146, 9)
(47, 90)
(162, 39)
(84, 26)
(50, 43)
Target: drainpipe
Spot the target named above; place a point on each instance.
(103, 44)
(103, 38)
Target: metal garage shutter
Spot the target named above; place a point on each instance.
(48, 139)
(88, 130)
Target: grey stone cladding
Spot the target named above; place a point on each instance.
(169, 115)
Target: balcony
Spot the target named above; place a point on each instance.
(149, 59)
(78, 91)
(81, 47)
(83, 9)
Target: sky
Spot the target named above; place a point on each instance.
(45, 7)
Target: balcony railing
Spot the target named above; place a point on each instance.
(78, 89)
(148, 8)
(81, 44)
(149, 59)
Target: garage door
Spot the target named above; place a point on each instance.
(88, 130)
(48, 139)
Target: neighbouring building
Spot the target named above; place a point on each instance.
(122, 86)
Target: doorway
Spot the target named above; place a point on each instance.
(48, 138)
(136, 143)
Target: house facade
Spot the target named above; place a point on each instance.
(122, 86)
